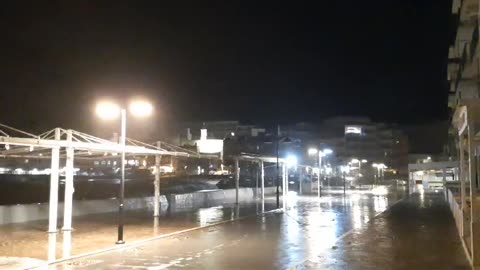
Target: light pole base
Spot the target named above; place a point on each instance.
(120, 242)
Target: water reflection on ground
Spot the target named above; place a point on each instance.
(99, 231)
(307, 232)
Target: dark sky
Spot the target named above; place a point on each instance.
(216, 60)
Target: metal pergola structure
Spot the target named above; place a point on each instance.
(69, 144)
(261, 160)
(283, 173)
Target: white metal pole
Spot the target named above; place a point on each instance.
(156, 203)
(444, 177)
(237, 180)
(257, 179)
(262, 176)
(410, 179)
(122, 180)
(284, 195)
(67, 244)
(359, 168)
(319, 173)
(286, 179)
(237, 211)
(53, 199)
(286, 187)
(155, 225)
(68, 201)
(52, 247)
(301, 175)
(277, 172)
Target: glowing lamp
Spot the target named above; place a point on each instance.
(141, 108)
(107, 110)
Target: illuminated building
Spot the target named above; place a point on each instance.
(360, 138)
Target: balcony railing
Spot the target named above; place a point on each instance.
(467, 56)
(452, 100)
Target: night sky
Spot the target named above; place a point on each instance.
(257, 62)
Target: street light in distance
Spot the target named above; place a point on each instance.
(326, 152)
(321, 153)
(291, 160)
(380, 169)
(277, 139)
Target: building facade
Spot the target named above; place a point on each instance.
(237, 137)
(348, 137)
(464, 101)
(359, 138)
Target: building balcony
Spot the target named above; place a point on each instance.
(464, 68)
(464, 34)
(453, 54)
(452, 101)
(453, 84)
(468, 10)
(470, 55)
(456, 4)
(467, 113)
(465, 89)
(452, 70)
(456, 76)
(468, 89)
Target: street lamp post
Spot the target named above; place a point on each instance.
(375, 165)
(380, 168)
(279, 140)
(311, 152)
(360, 166)
(321, 154)
(277, 182)
(382, 171)
(354, 160)
(319, 186)
(109, 110)
(122, 179)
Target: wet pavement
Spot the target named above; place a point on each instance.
(416, 233)
(331, 233)
(99, 231)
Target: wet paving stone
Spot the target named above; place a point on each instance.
(355, 232)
